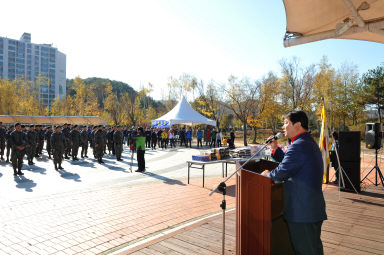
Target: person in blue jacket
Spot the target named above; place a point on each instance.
(301, 172)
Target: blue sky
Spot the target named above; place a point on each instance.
(150, 40)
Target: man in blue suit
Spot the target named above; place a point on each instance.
(301, 171)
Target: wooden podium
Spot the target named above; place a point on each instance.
(260, 227)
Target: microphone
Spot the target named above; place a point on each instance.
(275, 137)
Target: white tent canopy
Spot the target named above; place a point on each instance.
(315, 20)
(182, 113)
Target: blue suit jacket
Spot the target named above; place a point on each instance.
(301, 171)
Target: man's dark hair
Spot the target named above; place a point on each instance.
(298, 116)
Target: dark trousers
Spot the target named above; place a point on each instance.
(305, 237)
(118, 150)
(189, 141)
(199, 142)
(154, 142)
(141, 160)
(147, 142)
(17, 159)
(31, 152)
(9, 148)
(2, 148)
(57, 156)
(75, 150)
(84, 150)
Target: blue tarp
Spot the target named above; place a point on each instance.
(160, 123)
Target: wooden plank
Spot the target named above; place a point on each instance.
(163, 250)
(185, 247)
(355, 225)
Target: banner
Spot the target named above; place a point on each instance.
(324, 145)
(160, 123)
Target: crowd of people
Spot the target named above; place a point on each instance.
(64, 142)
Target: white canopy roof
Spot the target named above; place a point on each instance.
(314, 20)
(183, 113)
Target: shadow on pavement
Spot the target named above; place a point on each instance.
(81, 163)
(165, 179)
(69, 176)
(365, 202)
(85, 163)
(115, 168)
(24, 183)
(37, 169)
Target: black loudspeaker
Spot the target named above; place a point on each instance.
(373, 135)
(352, 170)
(349, 146)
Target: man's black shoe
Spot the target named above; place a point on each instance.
(14, 173)
(20, 173)
(138, 170)
(60, 167)
(86, 156)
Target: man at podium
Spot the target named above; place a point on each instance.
(301, 172)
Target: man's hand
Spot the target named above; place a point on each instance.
(265, 172)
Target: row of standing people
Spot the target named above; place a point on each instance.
(61, 142)
(171, 137)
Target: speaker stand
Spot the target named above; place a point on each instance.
(377, 171)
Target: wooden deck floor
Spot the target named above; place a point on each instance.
(355, 225)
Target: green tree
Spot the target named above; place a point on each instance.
(373, 88)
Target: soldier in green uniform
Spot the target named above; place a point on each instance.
(18, 149)
(2, 140)
(75, 141)
(118, 140)
(58, 145)
(84, 142)
(9, 141)
(100, 141)
(32, 144)
(47, 137)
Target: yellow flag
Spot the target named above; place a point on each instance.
(324, 144)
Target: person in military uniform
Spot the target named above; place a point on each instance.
(40, 140)
(9, 141)
(68, 146)
(147, 138)
(84, 142)
(95, 128)
(32, 144)
(18, 149)
(2, 140)
(105, 139)
(47, 137)
(110, 141)
(75, 141)
(99, 144)
(57, 141)
(154, 139)
(118, 140)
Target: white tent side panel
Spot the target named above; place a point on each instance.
(183, 113)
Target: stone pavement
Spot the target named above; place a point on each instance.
(96, 209)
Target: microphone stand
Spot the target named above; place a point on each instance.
(222, 187)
